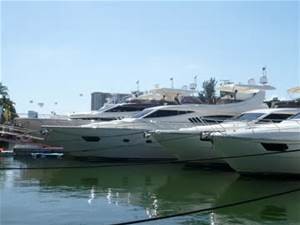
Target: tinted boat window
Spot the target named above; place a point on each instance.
(275, 146)
(275, 118)
(91, 138)
(248, 116)
(127, 108)
(142, 113)
(217, 119)
(297, 116)
(164, 113)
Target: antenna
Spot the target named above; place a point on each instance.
(196, 79)
(137, 85)
(264, 71)
(172, 82)
(263, 79)
(194, 86)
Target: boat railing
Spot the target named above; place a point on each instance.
(170, 124)
(296, 122)
(17, 134)
(14, 129)
(163, 125)
(43, 116)
(272, 126)
(218, 127)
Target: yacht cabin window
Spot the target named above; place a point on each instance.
(142, 113)
(216, 119)
(248, 116)
(127, 108)
(297, 116)
(164, 113)
(275, 118)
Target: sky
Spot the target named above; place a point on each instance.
(52, 51)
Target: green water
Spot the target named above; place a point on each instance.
(88, 196)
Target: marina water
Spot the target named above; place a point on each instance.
(92, 193)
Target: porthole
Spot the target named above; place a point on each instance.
(91, 138)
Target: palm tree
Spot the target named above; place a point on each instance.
(8, 112)
(3, 90)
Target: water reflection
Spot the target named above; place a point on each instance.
(279, 210)
(114, 194)
(92, 195)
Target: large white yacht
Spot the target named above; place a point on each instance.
(193, 143)
(110, 111)
(272, 148)
(126, 139)
(134, 104)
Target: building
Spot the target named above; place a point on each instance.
(98, 99)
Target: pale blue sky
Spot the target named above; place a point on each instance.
(52, 51)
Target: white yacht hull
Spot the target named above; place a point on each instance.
(188, 147)
(112, 144)
(281, 163)
(124, 139)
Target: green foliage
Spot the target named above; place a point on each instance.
(3, 90)
(209, 91)
(7, 106)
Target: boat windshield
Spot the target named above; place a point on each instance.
(127, 108)
(142, 113)
(275, 118)
(295, 117)
(248, 116)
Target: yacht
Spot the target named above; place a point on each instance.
(128, 138)
(268, 149)
(194, 144)
(134, 104)
(109, 112)
(294, 102)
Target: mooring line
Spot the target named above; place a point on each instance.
(86, 167)
(155, 163)
(238, 156)
(228, 205)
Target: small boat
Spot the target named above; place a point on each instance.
(37, 155)
(4, 152)
(35, 150)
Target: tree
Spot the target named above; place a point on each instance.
(3, 90)
(6, 105)
(209, 91)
